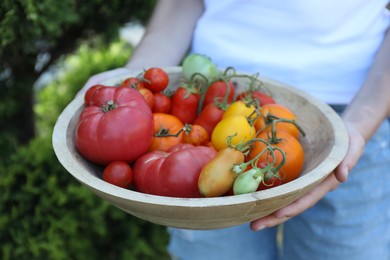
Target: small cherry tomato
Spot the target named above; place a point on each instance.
(133, 82)
(209, 117)
(118, 173)
(156, 79)
(162, 103)
(148, 96)
(90, 92)
(167, 132)
(185, 102)
(195, 135)
(218, 90)
(260, 96)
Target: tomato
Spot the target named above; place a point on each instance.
(195, 64)
(247, 181)
(218, 90)
(209, 117)
(278, 110)
(270, 180)
(90, 92)
(173, 173)
(133, 82)
(148, 96)
(235, 125)
(217, 176)
(168, 132)
(185, 102)
(240, 108)
(162, 103)
(156, 79)
(260, 96)
(117, 126)
(195, 135)
(118, 173)
(289, 144)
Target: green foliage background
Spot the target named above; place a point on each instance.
(48, 214)
(34, 29)
(44, 212)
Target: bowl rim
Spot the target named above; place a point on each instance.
(66, 158)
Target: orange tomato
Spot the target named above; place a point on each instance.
(167, 132)
(280, 111)
(291, 147)
(195, 135)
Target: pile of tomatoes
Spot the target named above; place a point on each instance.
(198, 139)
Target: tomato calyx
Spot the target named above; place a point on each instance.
(190, 89)
(110, 105)
(164, 132)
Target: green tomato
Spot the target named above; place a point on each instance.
(198, 63)
(248, 181)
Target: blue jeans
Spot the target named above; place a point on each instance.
(349, 223)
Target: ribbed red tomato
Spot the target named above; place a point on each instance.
(116, 126)
(173, 173)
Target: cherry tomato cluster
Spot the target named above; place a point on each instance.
(202, 139)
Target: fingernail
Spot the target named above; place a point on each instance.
(260, 227)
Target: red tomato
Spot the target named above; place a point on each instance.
(90, 92)
(271, 179)
(117, 126)
(209, 117)
(185, 104)
(156, 79)
(173, 173)
(261, 97)
(148, 96)
(118, 173)
(162, 103)
(133, 82)
(219, 89)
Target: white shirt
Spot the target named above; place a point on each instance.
(324, 48)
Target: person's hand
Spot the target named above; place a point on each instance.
(355, 150)
(101, 77)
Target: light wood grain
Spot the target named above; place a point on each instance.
(325, 145)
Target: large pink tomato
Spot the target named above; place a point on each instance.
(173, 173)
(116, 126)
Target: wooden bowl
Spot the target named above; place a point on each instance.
(325, 145)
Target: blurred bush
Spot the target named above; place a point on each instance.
(34, 35)
(45, 212)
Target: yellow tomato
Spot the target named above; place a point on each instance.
(240, 108)
(235, 125)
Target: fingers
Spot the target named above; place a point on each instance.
(355, 151)
(297, 207)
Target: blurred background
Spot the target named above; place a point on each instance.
(48, 50)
